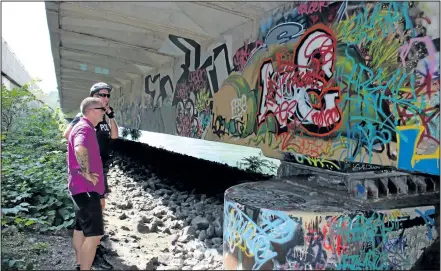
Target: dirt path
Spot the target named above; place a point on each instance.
(150, 226)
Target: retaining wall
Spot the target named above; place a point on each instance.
(335, 85)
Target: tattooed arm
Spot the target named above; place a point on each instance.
(82, 156)
(71, 125)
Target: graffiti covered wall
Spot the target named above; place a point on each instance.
(277, 238)
(325, 84)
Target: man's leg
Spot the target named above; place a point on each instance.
(91, 220)
(88, 250)
(78, 240)
(99, 261)
(78, 236)
(103, 204)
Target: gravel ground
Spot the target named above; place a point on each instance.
(151, 225)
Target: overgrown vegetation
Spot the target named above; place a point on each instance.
(34, 175)
(258, 164)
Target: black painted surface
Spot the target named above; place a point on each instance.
(183, 171)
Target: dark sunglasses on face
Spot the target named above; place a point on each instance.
(102, 108)
(103, 95)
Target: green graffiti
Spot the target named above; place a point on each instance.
(202, 100)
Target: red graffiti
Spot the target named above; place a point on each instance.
(196, 82)
(243, 54)
(289, 84)
(284, 110)
(183, 91)
(311, 7)
(325, 117)
(313, 147)
(184, 126)
(332, 241)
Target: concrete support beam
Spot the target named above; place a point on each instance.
(76, 83)
(108, 62)
(95, 10)
(110, 50)
(280, 224)
(80, 67)
(94, 76)
(68, 73)
(76, 22)
(235, 8)
(161, 57)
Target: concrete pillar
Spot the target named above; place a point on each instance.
(277, 225)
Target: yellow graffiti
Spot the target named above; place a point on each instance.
(316, 161)
(238, 241)
(394, 215)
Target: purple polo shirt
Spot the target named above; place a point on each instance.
(83, 133)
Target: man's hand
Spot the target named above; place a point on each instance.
(108, 109)
(109, 112)
(91, 177)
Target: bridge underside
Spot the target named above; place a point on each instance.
(340, 86)
(333, 86)
(120, 43)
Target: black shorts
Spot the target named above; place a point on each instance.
(89, 214)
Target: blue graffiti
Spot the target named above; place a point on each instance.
(360, 189)
(429, 221)
(406, 151)
(284, 33)
(274, 226)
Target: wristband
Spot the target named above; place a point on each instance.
(111, 115)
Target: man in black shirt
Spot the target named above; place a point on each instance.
(105, 131)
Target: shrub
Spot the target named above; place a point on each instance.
(258, 164)
(34, 175)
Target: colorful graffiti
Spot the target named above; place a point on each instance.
(263, 239)
(338, 82)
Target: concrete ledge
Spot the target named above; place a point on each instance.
(191, 173)
(275, 225)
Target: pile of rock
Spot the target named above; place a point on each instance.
(193, 223)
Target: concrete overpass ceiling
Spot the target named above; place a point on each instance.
(184, 16)
(75, 65)
(127, 34)
(121, 42)
(107, 48)
(89, 77)
(117, 79)
(111, 63)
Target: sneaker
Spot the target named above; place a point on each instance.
(100, 263)
(77, 267)
(101, 250)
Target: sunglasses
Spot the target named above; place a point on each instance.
(102, 108)
(103, 95)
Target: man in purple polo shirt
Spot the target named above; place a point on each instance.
(86, 181)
